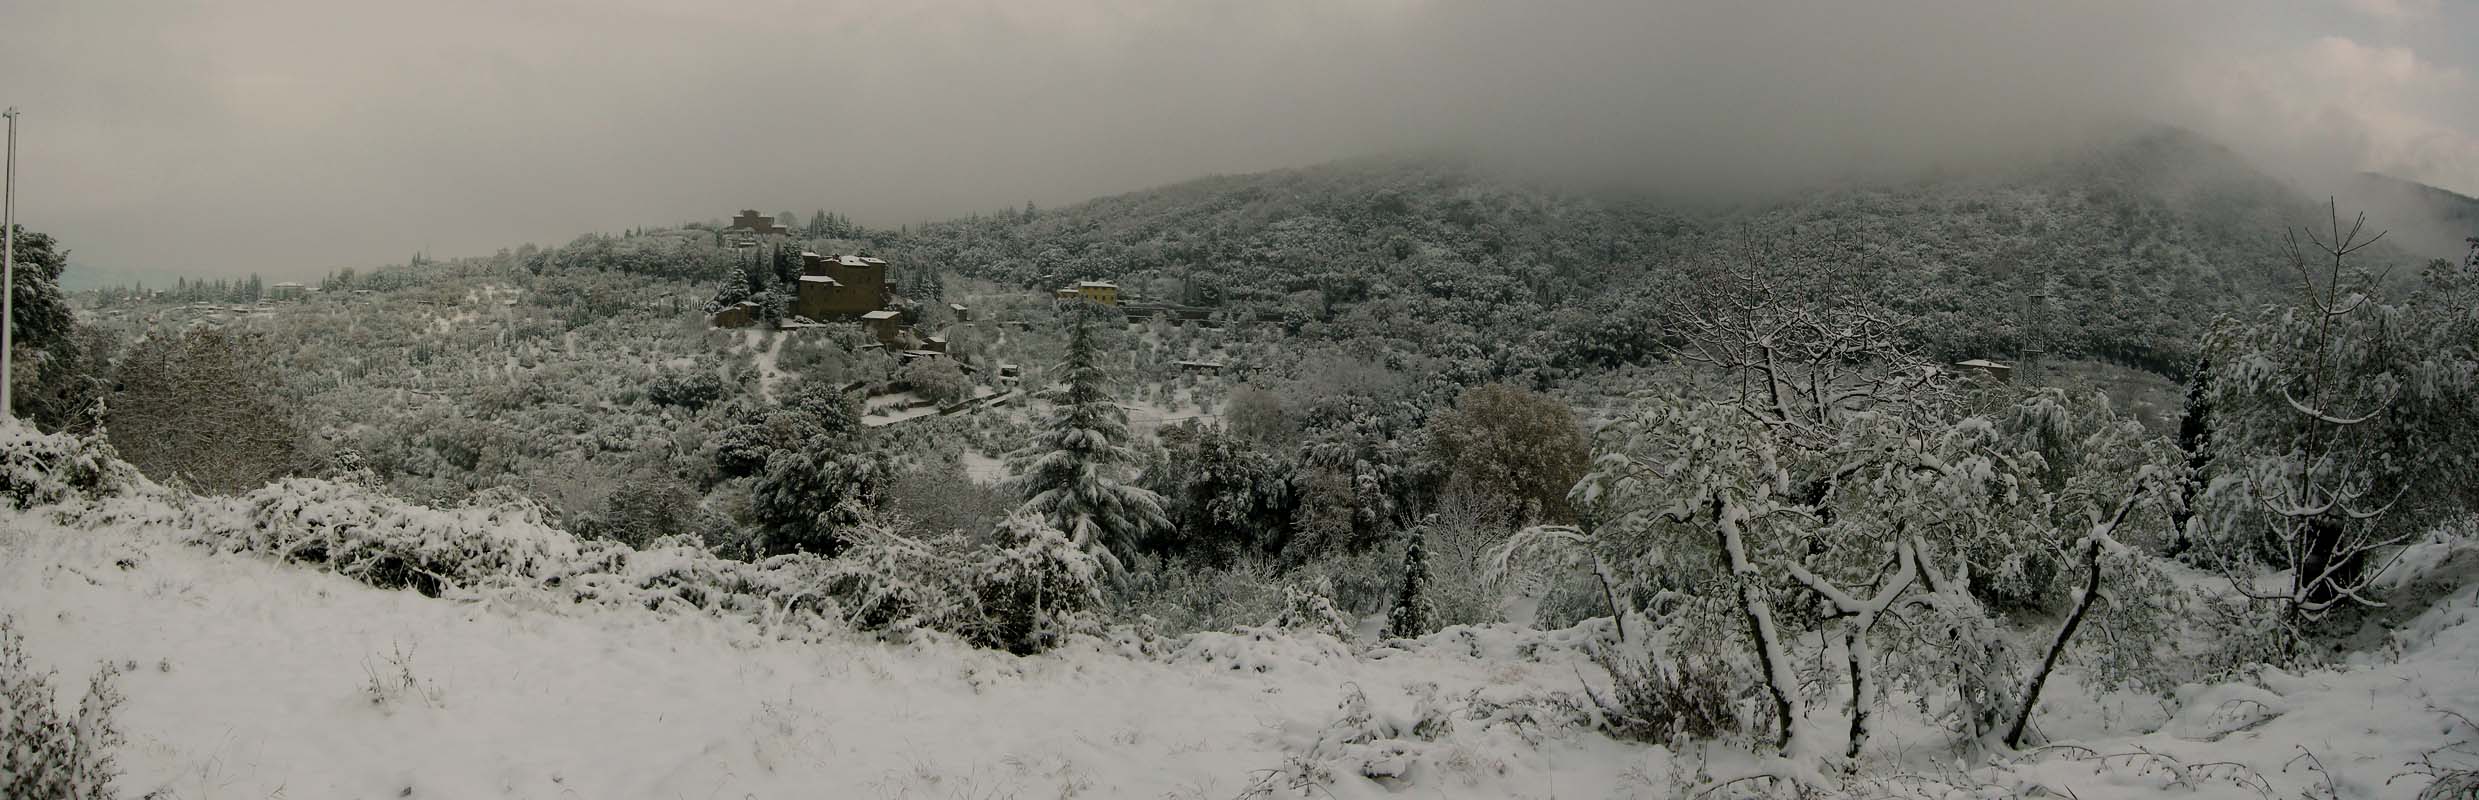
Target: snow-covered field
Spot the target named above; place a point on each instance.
(255, 679)
(246, 677)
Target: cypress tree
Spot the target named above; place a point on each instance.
(1415, 613)
(2195, 439)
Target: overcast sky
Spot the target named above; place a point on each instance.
(292, 137)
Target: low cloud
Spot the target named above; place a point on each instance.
(291, 137)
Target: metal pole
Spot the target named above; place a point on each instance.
(8, 271)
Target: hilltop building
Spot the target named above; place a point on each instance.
(761, 224)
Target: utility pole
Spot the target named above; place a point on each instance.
(8, 270)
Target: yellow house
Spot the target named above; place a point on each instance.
(1101, 292)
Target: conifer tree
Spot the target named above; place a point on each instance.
(1076, 472)
(735, 288)
(2194, 438)
(1415, 612)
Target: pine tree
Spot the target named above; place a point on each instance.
(1075, 471)
(1415, 612)
(818, 227)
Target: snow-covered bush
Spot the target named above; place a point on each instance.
(385, 542)
(1656, 703)
(1034, 587)
(1309, 612)
(692, 388)
(37, 468)
(937, 380)
(885, 581)
(45, 754)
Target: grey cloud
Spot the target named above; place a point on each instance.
(290, 137)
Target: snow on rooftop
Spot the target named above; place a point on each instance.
(821, 279)
(1098, 285)
(879, 315)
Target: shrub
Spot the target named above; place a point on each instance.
(937, 380)
(391, 544)
(691, 389)
(884, 581)
(45, 755)
(1035, 587)
(40, 469)
(1308, 611)
(1649, 702)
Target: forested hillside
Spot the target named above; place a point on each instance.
(2123, 252)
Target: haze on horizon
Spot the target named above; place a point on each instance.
(290, 137)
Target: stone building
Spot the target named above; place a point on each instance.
(842, 287)
(753, 222)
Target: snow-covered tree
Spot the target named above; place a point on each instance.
(1415, 611)
(1076, 470)
(1035, 586)
(2342, 424)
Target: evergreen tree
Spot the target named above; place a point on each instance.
(818, 228)
(816, 481)
(2194, 437)
(40, 315)
(1073, 471)
(1415, 612)
(757, 274)
(735, 288)
(787, 264)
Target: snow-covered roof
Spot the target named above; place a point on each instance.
(1981, 363)
(821, 279)
(1098, 285)
(879, 315)
(957, 306)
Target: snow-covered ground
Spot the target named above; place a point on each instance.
(254, 679)
(768, 351)
(251, 678)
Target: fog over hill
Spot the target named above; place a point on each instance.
(289, 137)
